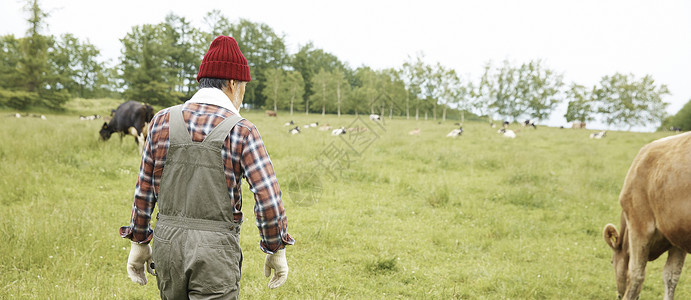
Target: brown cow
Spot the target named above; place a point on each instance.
(578, 125)
(270, 113)
(656, 215)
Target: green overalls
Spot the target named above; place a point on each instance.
(196, 245)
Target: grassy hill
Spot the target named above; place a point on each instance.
(380, 214)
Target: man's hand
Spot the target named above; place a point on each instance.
(139, 259)
(278, 263)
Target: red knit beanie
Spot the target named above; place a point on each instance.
(224, 60)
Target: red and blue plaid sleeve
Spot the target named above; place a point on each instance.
(268, 207)
(150, 171)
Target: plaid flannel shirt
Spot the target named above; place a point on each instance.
(243, 154)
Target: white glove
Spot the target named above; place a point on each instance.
(140, 258)
(278, 263)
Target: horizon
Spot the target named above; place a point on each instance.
(583, 40)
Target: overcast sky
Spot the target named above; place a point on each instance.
(584, 40)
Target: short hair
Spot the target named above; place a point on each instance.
(218, 83)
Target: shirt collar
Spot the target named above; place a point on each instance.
(213, 96)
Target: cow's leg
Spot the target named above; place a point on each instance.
(639, 249)
(138, 138)
(672, 271)
(140, 143)
(133, 132)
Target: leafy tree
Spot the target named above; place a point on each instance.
(581, 106)
(453, 92)
(53, 99)
(366, 96)
(322, 84)
(145, 70)
(273, 90)
(63, 60)
(506, 84)
(434, 77)
(217, 23)
(92, 79)
(623, 100)
(9, 61)
(539, 89)
(295, 89)
(33, 62)
(393, 90)
(17, 99)
(74, 67)
(310, 60)
(49, 69)
(264, 50)
(414, 77)
(481, 95)
(341, 89)
(33, 68)
(681, 119)
(185, 45)
(109, 82)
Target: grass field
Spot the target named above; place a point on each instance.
(477, 217)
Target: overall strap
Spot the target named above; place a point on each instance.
(218, 135)
(177, 131)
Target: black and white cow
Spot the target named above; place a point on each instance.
(338, 131)
(598, 135)
(130, 118)
(90, 117)
(529, 123)
(455, 133)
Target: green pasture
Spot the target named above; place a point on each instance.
(411, 217)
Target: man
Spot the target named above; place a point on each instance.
(195, 156)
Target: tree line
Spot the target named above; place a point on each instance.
(159, 63)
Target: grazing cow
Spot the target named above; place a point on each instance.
(374, 117)
(656, 215)
(455, 133)
(415, 132)
(598, 135)
(89, 118)
(529, 123)
(578, 125)
(295, 130)
(675, 129)
(270, 113)
(289, 123)
(324, 127)
(130, 118)
(315, 124)
(338, 131)
(507, 133)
